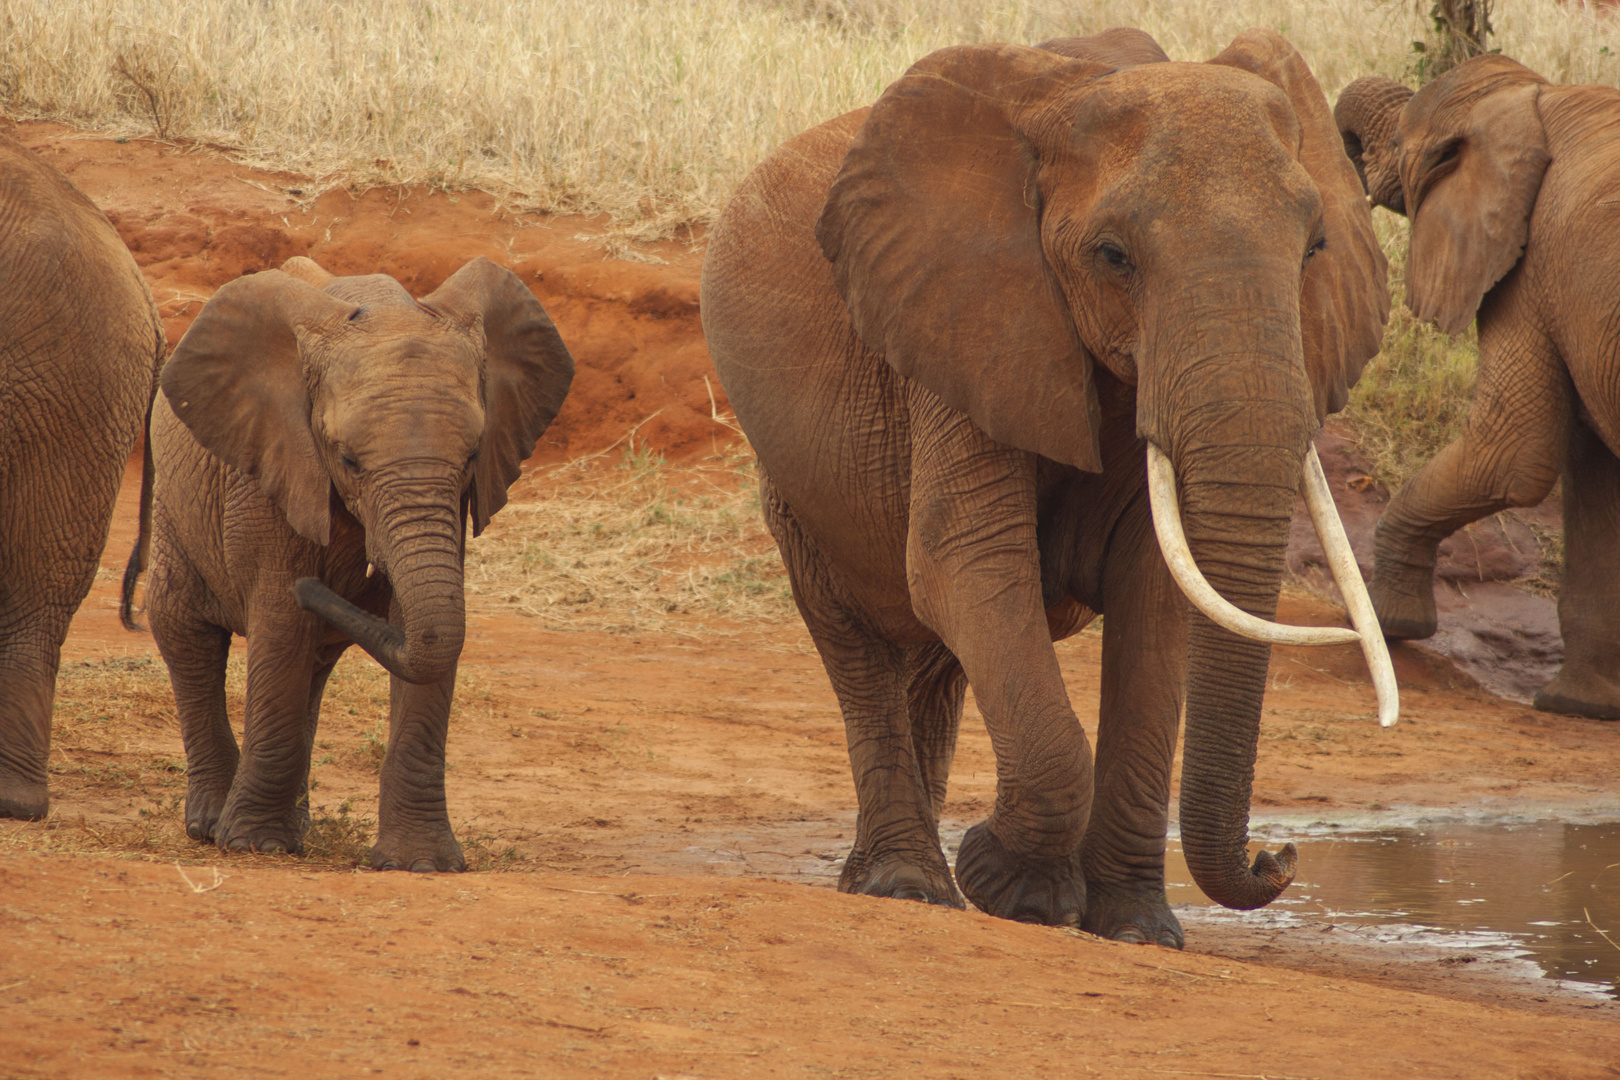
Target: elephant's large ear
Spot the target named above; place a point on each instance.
(1474, 153)
(527, 371)
(933, 231)
(237, 381)
(1344, 302)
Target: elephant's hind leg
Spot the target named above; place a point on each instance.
(1589, 595)
(195, 652)
(53, 523)
(896, 849)
(28, 662)
(935, 691)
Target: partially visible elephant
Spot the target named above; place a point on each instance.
(1512, 186)
(320, 445)
(80, 344)
(953, 326)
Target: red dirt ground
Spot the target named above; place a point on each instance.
(674, 799)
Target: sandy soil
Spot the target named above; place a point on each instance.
(656, 817)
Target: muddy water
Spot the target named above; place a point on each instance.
(1537, 893)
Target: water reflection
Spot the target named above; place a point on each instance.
(1542, 891)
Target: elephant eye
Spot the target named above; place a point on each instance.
(349, 462)
(1113, 255)
(1319, 245)
(472, 457)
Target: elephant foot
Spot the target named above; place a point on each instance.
(1404, 601)
(1141, 916)
(204, 805)
(1051, 892)
(901, 879)
(1594, 698)
(28, 800)
(423, 852)
(282, 835)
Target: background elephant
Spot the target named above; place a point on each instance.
(80, 343)
(1512, 186)
(319, 446)
(949, 325)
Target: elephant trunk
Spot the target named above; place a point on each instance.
(1367, 113)
(420, 550)
(1237, 424)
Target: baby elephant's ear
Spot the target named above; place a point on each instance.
(527, 371)
(237, 381)
(933, 229)
(1345, 299)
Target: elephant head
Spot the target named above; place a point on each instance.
(1462, 158)
(1012, 227)
(414, 414)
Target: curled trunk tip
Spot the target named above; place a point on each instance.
(383, 640)
(1366, 114)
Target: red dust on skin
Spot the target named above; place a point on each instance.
(651, 783)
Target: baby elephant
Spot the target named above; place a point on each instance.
(319, 446)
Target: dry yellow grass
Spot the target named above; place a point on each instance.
(650, 111)
(625, 543)
(1413, 396)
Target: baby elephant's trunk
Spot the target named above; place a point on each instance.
(423, 563)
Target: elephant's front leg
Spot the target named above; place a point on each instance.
(263, 811)
(1508, 455)
(413, 821)
(973, 565)
(1589, 595)
(1143, 672)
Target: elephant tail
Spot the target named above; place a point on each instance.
(143, 531)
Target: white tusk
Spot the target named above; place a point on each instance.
(1342, 562)
(371, 568)
(1178, 556)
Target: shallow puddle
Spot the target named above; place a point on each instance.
(1546, 893)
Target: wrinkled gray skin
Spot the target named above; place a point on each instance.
(79, 347)
(1512, 185)
(310, 425)
(948, 324)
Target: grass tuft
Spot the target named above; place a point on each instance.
(1413, 396)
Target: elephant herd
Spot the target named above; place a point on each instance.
(1044, 333)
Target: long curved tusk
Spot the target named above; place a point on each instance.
(1342, 562)
(1178, 556)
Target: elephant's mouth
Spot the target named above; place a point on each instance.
(1341, 561)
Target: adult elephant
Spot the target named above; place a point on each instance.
(320, 445)
(1512, 186)
(953, 326)
(80, 343)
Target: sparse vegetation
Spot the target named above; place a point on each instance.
(632, 545)
(1413, 396)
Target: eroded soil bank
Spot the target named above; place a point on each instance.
(656, 816)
